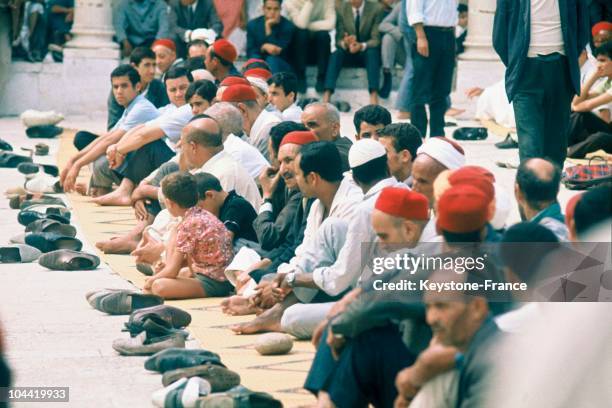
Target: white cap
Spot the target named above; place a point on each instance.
(449, 153)
(260, 83)
(365, 150)
(202, 74)
(205, 34)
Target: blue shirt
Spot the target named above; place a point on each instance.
(141, 21)
(139, 111)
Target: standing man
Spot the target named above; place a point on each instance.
(357, 43)
(433, 61)
(539, 42)
(188, 15)
(268, 37)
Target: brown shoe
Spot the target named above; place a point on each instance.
(142, 345)
(220, 378)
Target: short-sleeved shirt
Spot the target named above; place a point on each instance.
(139, 111)
(172, 123)
(602, 86)
(206, 243)
(238, 216)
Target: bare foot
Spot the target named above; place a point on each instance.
(118, 245)
(268, 321)
(403, 115)
(238, 306)
(116, 198)
(81, 188)
(98, 191)
(149, 253)
(452, 112)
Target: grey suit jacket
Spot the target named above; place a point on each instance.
(368, 27)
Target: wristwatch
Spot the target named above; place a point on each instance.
(290, 279)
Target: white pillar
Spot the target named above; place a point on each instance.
(479, 44)
(89, 58)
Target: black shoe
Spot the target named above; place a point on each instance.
(386, 88)
(43, 131)
(507, 143)
(470, 133)
(4, 145)
(320, 85)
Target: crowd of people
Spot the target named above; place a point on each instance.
(239, 192)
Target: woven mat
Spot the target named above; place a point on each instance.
(282, 376)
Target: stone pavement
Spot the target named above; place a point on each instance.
(55, 339)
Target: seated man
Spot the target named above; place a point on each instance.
(588, 132)
(197, 48)
(392, 46)
(313, 21)
(536, 189)
(234, 211)
(189, 15)
(200, 241)
(140, 152)
(165, 56)
(31, 38)
(358, 43)
(132, 29)
(402, 141)
(143, 59)
(282, 94)
(256, 121)
(268, 37)
(323, 119)
(369, 119)
(61, 17)
(230, 120)
(138, 110)
(220, 58)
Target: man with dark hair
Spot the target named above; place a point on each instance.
(536, 189)
(200, 96)
(233, 210)
(318, 174)
(369, 119)
(125, 82)
(197, 48)
(401, 140)
(177, 80)
(269, 36)
(323, 119)
(139, 23)
(143, 59)
(357, 42)
(220, 58)
(591, 209)
(282, 94)
(188, 15)
(539, 43)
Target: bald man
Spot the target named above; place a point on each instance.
(536, 189)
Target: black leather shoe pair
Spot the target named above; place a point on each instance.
(471, 133)
(67, 260)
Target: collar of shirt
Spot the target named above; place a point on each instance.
(377, 188)
(211, 162)
(344, 190)
(360, 10)
(552, 211)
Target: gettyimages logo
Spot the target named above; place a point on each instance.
(410, 263)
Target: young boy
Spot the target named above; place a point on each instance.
(200, 241)
(282, 93)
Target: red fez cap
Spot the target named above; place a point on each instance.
(403, 203)
(601, 26)
(462, 208)
(256, 62)
(570, 208)
(299, 137)
(475, 176)
(164, 42)
(238, 93)
(225, 49)
(258, 73)
(234, 80)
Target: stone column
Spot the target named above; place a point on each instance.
(89, 58)
(478, 44)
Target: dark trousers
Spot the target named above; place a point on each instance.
(542, 108)
(365, 373)
(142, 162)
(432, 81)
(319, 43)
(83, 138)
(594, 142)
(582, 126)
(278, 63)
(370, 59)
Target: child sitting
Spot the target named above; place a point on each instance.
(200, 241)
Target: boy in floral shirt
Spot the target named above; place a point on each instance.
(201, 242)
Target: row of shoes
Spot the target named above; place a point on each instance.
(190, 377)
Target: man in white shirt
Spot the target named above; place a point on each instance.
(230, 120)
(434, 22)
(318, 174)
(401, 141)
(202, 148)
(282, 94)
(257, 121)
